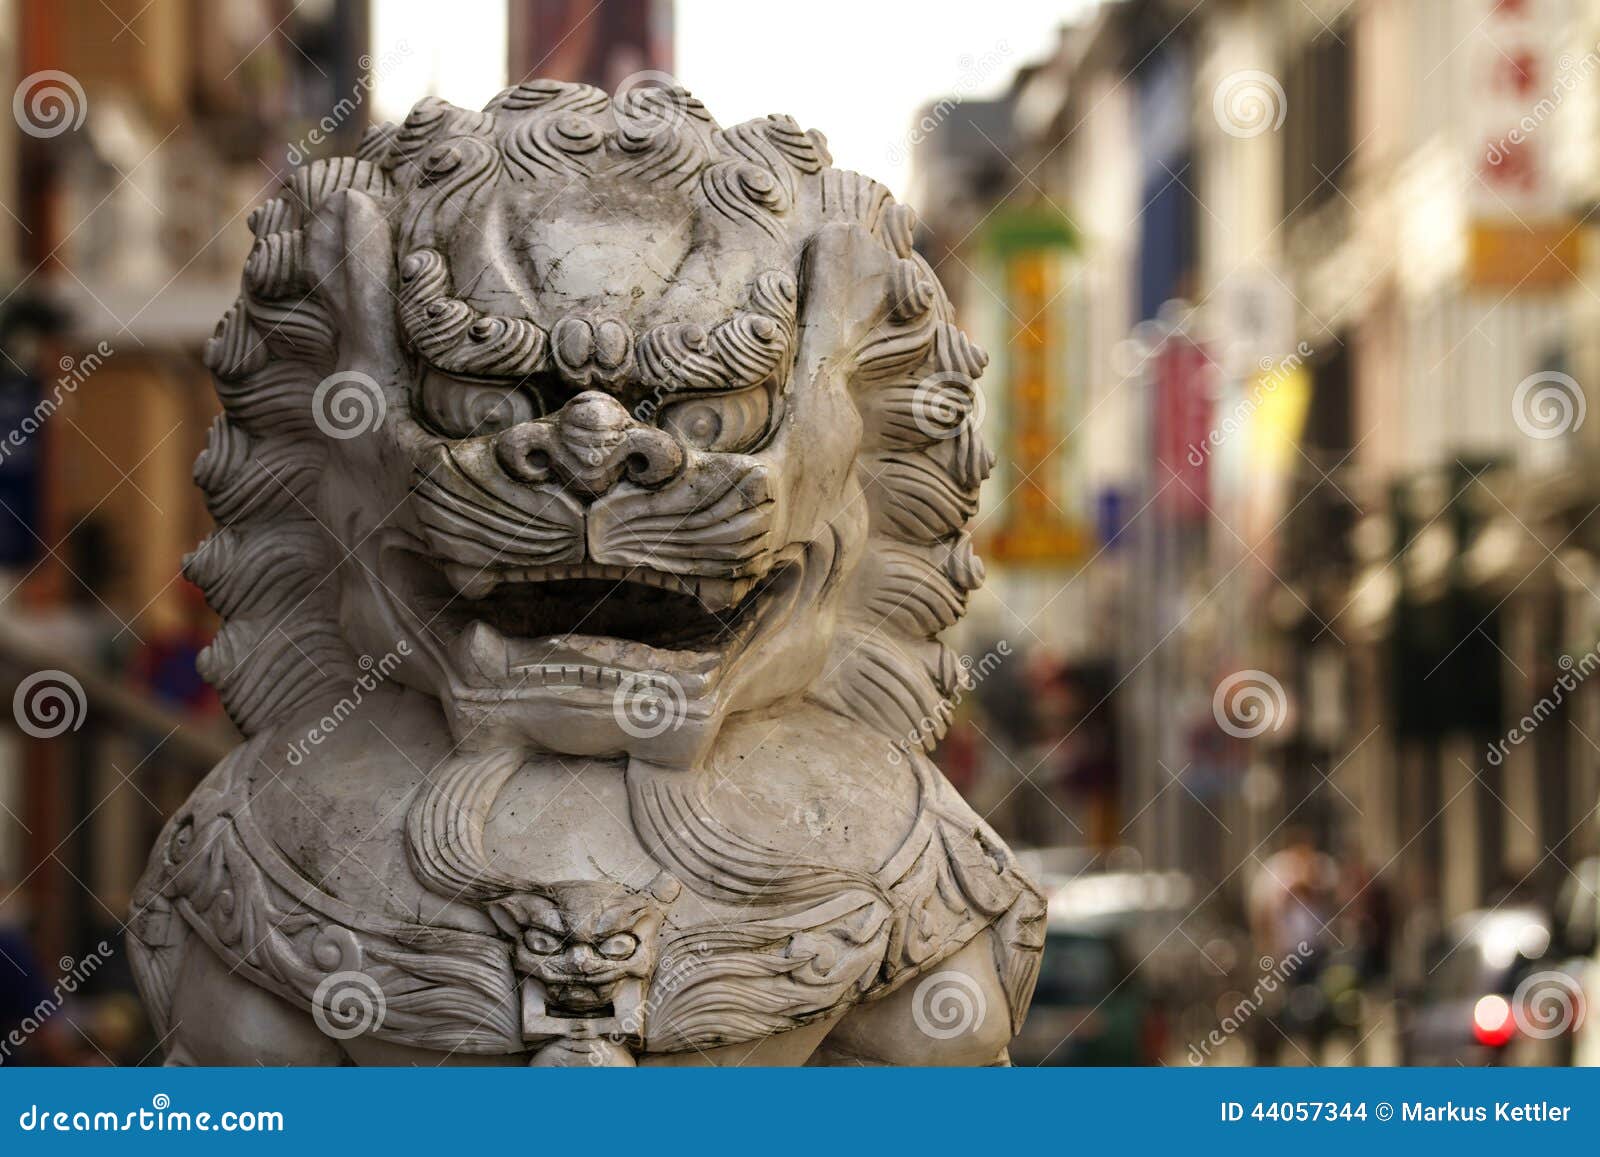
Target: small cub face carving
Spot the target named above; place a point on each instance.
(580, 940)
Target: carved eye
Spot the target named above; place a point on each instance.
(722, 423)
(459, 408)
(620, 946)
(540, 941)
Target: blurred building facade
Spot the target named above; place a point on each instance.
(1311, 264)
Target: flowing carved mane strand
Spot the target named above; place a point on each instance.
(267, 569)
(920, 465)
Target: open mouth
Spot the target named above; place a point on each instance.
(637, 606)
(587, 624)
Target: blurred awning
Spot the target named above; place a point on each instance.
(180, 314)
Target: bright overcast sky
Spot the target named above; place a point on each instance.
(856, 69)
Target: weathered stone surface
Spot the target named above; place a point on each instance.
(591, 490)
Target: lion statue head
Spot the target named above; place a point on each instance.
(622, 422)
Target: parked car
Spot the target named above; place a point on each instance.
(1498, 992)
(1120, 956)
(1578, 932)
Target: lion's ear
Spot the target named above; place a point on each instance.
(843, 275)
(350, 251)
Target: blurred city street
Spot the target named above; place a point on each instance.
(1280, 679)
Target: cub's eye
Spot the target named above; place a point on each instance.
(619, 947)
(723, 423)
(541, 942)
(458, 408)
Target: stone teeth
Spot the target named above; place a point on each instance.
(721, 594)
(482, 650)
(472, 582)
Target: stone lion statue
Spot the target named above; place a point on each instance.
(590, 489)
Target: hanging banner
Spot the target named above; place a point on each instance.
(1035, 442)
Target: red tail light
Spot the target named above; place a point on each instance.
(1492, 1022)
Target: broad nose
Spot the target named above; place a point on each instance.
(589, 445)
